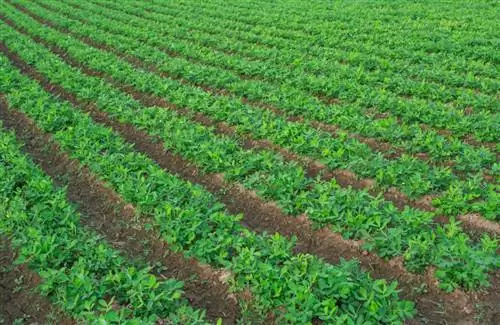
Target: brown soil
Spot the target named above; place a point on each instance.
(18, 297)
(487, 303)
(262, 216)
(471, 140)
(477, 222)
(105, 212)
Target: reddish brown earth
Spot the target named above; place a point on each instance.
(19, 299)
(477, 222)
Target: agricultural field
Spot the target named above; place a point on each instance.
(249, 162)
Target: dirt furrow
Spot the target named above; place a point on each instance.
(106, 212)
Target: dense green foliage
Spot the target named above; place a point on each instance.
(390, 232)
(273, 77)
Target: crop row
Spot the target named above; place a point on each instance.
(455, 200)
(335, 152)
(191, 220)
(325, 85)
(390, 231)
(469, 44)
(470, 190)
(481, 60)
(341, 83)
(412, 137)
(336, 19)
(135, 78)
(287, 97)
(80, 272)
(479, 72)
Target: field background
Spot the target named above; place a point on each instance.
(250, 162)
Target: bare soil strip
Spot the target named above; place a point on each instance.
(313, 168)
(18, 297)
(432, 303)
(105, 212)
(475, 221)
